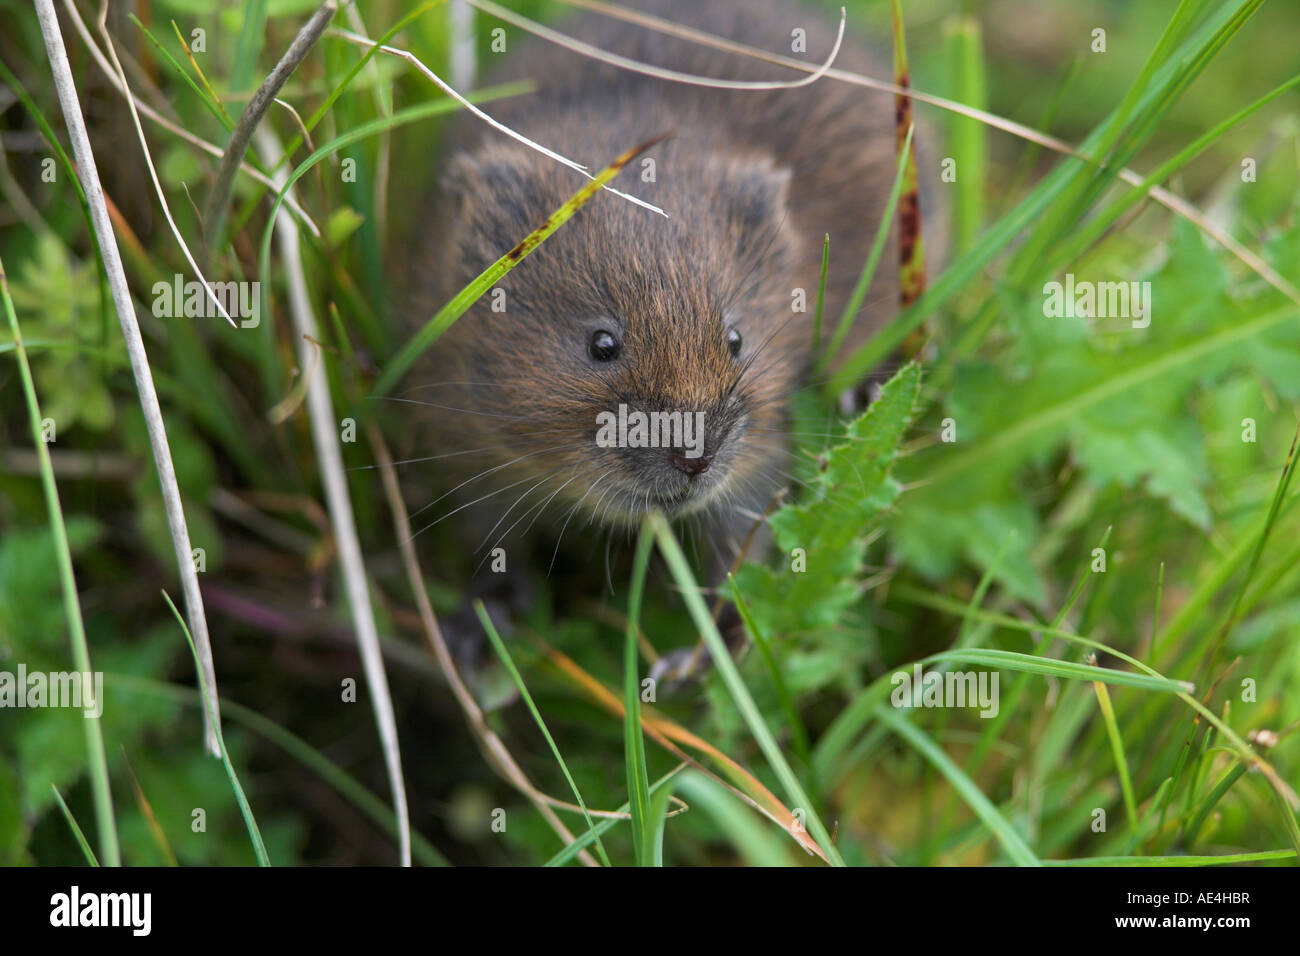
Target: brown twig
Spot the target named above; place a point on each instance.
(214, 212)
(493, 748)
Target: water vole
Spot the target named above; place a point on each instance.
(625, 311)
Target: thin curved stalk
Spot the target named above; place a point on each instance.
(87, 172)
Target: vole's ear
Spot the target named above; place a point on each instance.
(757, 193)
(485, 175)
(492, 198)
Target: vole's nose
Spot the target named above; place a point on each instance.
(691, 466)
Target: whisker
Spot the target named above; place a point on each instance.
(416, 388)
(468, 504)
(609, 574)
(540, 506)
(448, 408)
(569, 517)
(416, 461)
(493, 469)
(540, 481)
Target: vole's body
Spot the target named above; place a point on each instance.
(751, 181)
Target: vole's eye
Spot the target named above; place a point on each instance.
(734, 341)
(603, 347)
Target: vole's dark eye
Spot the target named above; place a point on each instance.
(734, 341)
(603, 347)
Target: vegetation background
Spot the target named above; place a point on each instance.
(1071, 436)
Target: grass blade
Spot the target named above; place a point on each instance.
(1212, 800)
(1288, 817)
(1051, 667)
(378, 812)
(968, 136)
(873, 260)
(699, 612)
(1117, 748)
(310, 123)
(459, 304)
(1083, 238)
(499, 646)
(638, 785)
(1047, 195)
(1011, 841)
(86, 851)
(254, 834)
(1002, 442)
(669, 734)
(1139, 861)
(821, 296)
(584, 840)
(755, 843)
(798, 735)
(284, 196)
(249, 44)
(98, 760)
(323, 424)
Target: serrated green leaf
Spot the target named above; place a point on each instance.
(822, 537)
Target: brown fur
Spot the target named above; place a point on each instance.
(751, 181)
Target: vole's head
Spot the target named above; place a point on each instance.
(632, 361)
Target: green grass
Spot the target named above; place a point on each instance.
(1138, 689)
(254, 832)
(96, 763)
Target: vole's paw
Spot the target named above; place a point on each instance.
(691, 663)
(681, 665)
(465, 637)
(505, 598)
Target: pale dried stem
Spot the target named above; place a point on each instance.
(329, 456)
(442, 84)
(153, 173)
(494, 749)
(87, 172)
(1169, 200)
(149, 112)
(649, 69)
